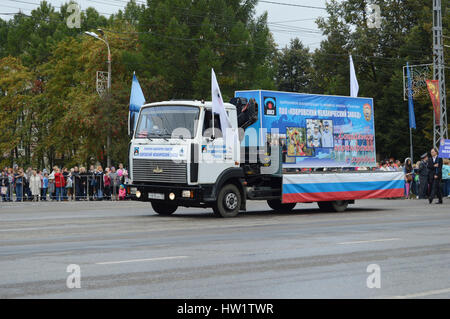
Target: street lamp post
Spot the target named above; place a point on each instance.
(108, 137)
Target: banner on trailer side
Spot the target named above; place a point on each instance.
(342, 186)
(316, 130)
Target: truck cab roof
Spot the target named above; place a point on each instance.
(201, 104)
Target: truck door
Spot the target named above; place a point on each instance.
(214, 155)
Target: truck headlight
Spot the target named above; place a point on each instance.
(138, 194)
(171, 196)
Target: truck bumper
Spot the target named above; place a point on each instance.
(180, 195)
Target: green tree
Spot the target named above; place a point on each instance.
(294, 68)
(16, 111)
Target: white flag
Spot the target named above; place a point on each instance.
(217, 104)
(354, 87)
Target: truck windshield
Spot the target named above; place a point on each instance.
(161, 121)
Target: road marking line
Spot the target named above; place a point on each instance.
(139, 260)
(367, 241)
(22, 229)
(423, 294)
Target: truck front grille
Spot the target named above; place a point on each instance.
(165, 171)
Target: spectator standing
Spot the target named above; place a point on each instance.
(415, 182)
(123, 174)
(92, 183)
(35, 185)
(44, 186)
(69, 185)
(84, 183)
(435, 175)
(115, 182)
(107, 184)
(77, 185)
(122, 192)
(446, 176)
(26, 184)
(52, 187)
(59, 185)
(18, 184)
(65, 173)
(100, 186)
(4, 185)
(408, 170)
(11, 184)
(423, 176)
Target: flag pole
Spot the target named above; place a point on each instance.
(212, 109)
(212, 118)
(411, 144)
(412, 119)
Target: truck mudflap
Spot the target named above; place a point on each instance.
(317, 187)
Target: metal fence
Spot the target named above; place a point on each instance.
(88, 187)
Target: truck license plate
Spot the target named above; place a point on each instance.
(155, 196)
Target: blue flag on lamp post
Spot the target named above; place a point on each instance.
(412, 118)
(137, 99)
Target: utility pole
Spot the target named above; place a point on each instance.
(440, 130)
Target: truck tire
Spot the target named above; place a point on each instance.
(163, 208)
(277, 206)
(228, 201)
(333, 206)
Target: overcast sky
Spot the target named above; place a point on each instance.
(280, 16)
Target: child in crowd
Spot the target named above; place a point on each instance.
(122, 192)
(44, 187)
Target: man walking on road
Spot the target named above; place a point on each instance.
(435, 175)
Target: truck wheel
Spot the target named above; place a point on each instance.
(277, 206)
(333, 206)
(164, 208)
(228, 201)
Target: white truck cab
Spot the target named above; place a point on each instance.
(178, 155)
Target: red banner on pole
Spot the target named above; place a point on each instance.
(433, 89)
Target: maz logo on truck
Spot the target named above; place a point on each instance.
(270, 106)
(157, 170)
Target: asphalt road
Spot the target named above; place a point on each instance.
(124, 250)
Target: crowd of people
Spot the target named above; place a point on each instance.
(62, 184)
(425, 179)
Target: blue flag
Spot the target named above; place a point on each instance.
(412, 118)
(137, 99)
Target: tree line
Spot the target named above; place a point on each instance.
(49, 107)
